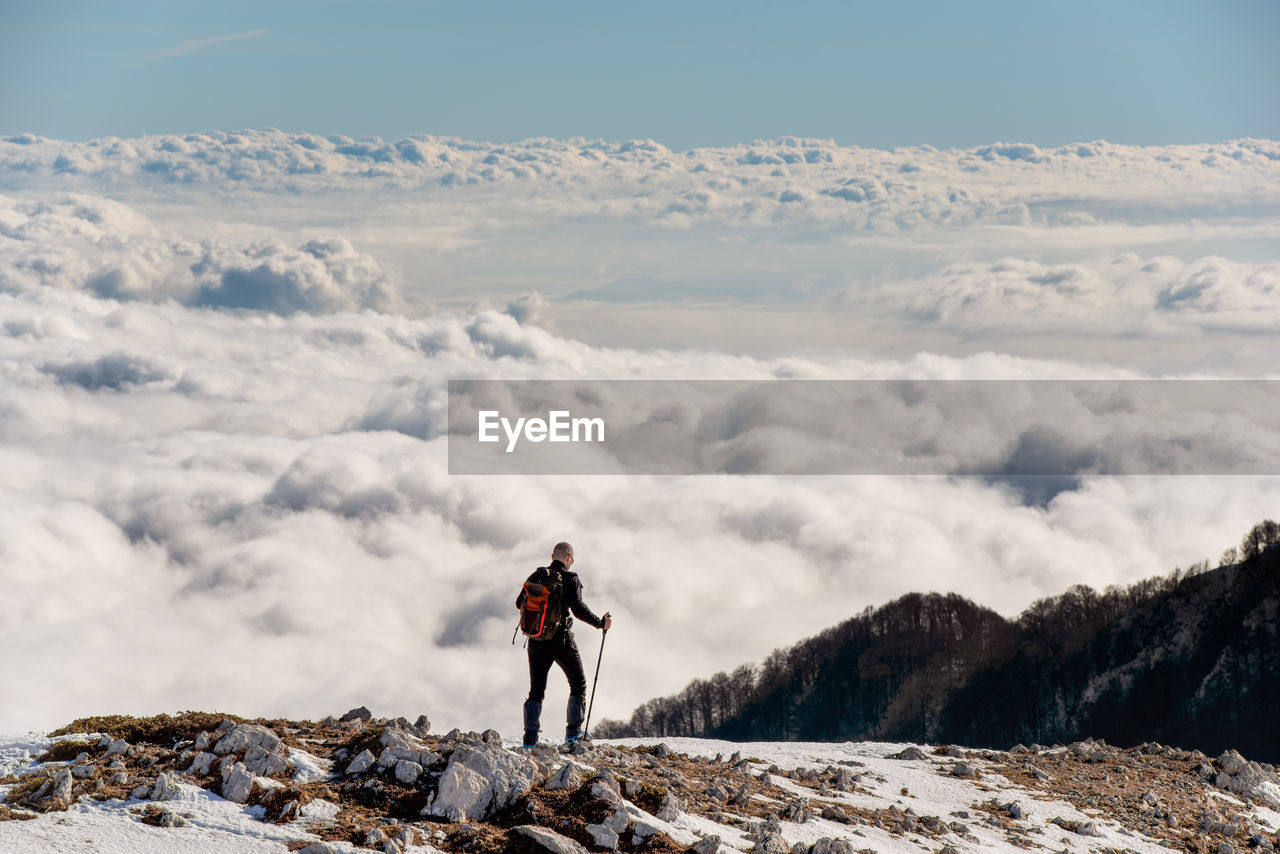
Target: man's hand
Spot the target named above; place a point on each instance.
(608, 621)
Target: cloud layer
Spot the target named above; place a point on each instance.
(223, 366)
(211, 509)
(762, 184)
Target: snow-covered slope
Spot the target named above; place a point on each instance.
(372, 784)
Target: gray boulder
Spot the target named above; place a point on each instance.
(827, 845)
(357, 714)
(408, 772)
(244, 736)
(237, 783)
(603, 837)
(771, 843)
(669, 809)
(166, 787)
(548, 840)
(362, 763)
(912, 752)
(707, 845)
(479, 780)
(567, 777)
(264, 762)
(202, 764)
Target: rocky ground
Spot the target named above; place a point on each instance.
(359, 782)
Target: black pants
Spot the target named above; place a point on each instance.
(561, 650)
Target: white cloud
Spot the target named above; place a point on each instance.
(89, 243)
(223, 478)
(253, 513)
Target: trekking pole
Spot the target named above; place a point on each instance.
(585, 726)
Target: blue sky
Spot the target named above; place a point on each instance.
(686, 74)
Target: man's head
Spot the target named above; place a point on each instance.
(563, 552)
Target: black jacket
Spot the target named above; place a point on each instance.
(570, 601)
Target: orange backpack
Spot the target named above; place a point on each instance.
(540, 604)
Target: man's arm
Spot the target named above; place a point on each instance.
(578, 607)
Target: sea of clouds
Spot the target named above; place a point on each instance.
(223, 363)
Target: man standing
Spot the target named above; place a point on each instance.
(561, 649)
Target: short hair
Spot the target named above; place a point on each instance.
(562, 551)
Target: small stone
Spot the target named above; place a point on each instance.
(408, 772)
(1014, 810)
(603, 837)
(568, 777)
(83, 772)
(237, 784)
(362, 763)
(166, 788)
(359, 713)
(911, 752)
(202, 764)
(548, 840)
(706, 845)
(964, 771)
(140, 793)
(669, 809)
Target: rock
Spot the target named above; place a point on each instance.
(799, 848)
(1014, 810)
(393, 737)
(265, 763)
(204, 741)
(237, 783)
(545, 839)
(119, 778)
(408, 772)
(140, 793)
(362, 763)
(669, 809)
(429, 757)
(630, 789)
(618, 821)
(375, 837)
(1019, 748)
(1231, 763)
(244, 736)
(706, 845)
(911, 752)
(964, 771)
(771, 843)
(717, 794)
(317, 848)
(491, 736)
(83, 772)
(604, 786)
(798, 811)
(603, 837)
(62, 785)
(827, 845)
(742, 796)
(166, 787)
(662, 751)
(392, 755)
(1088, 829)
(479, 780)
(357, 714)
(116, 747)
(567, 777)
(642, 829)
(835, 813)
(202, 764)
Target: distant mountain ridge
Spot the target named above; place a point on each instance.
(1191, 658)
